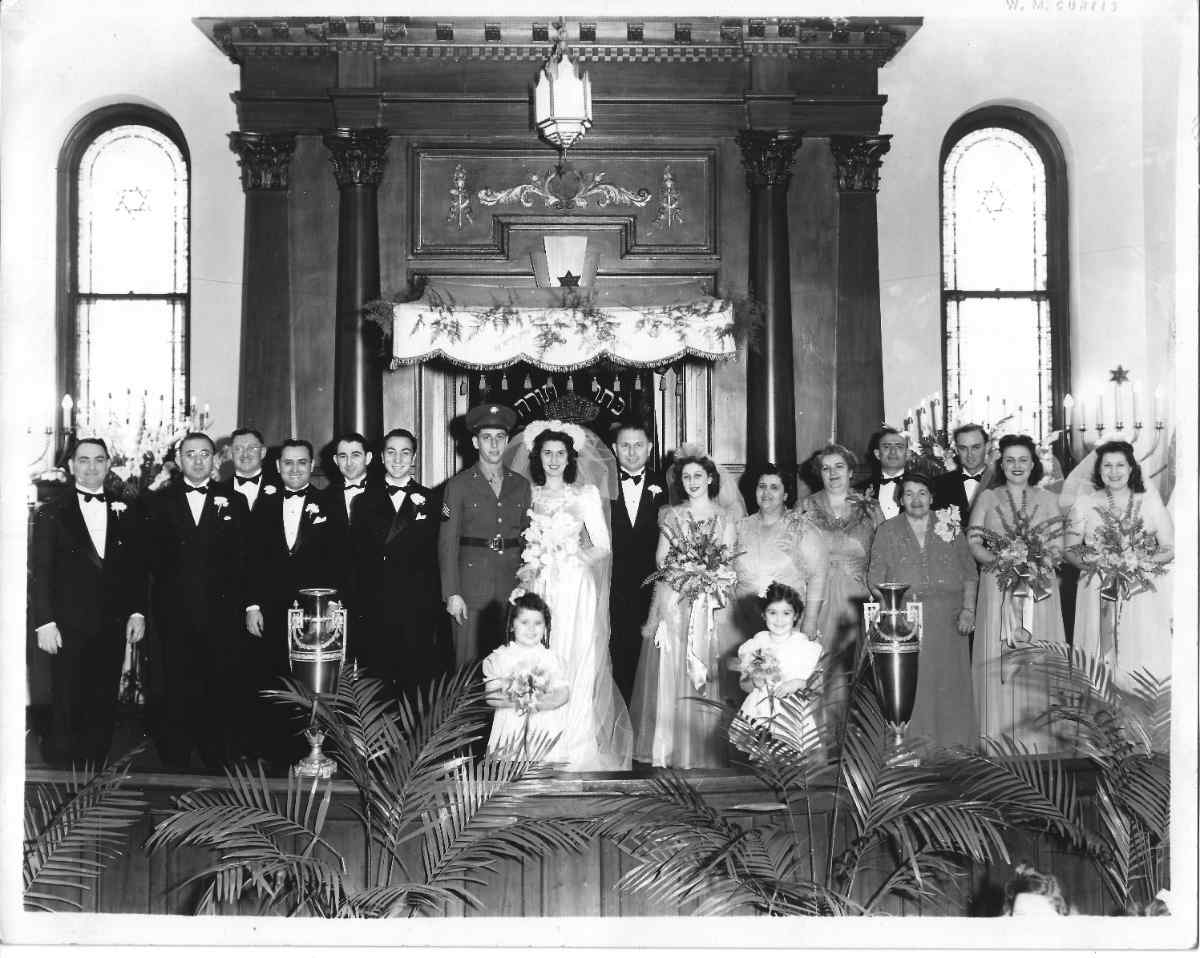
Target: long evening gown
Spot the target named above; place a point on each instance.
(1144, 631)
(597, 734)
(789, 551)
(937, 572)
(1010, 702)
(670, 729)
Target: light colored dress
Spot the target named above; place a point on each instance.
(681, 660)
(1010, 702)
(936, 574)
(1144, 630)
(572, 573)
(797, 656)
(848, 546)
(789, 551)
(510, 728)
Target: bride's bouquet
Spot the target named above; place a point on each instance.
(1122, 553)
(698, 563)
(551, 542)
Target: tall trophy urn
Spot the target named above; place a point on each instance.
(316, 633)
(893, 632)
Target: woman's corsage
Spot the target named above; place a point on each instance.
(947, 523)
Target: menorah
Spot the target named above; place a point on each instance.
(1127, 399)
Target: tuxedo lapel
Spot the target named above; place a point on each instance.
(73, 520)
(401, 517)
(111, 532)
(621, 513)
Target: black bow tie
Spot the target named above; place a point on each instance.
(976, 477)
(883, 481)
(90, 496)
(636, 480)
(392, 490)
(288, 493)
(242, 480)
(354, 485)
(203, 490)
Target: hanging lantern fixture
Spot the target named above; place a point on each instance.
(562, 97)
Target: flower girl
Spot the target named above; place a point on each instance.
(526, 684)
(778, 662)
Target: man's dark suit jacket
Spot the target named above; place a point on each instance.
(948, 491)
(89, 599)
(397, 585)
(633, 560)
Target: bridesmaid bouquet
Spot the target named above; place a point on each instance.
(551, 541)
(764, 669)
(525, 687)
(1026, 552)
(1122, 554)
(698, 563)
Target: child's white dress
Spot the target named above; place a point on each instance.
(508, 724)
(796, 656)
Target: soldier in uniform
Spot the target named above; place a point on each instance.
(485, 509)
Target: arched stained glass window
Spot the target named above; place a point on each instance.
(125, 315)
(1003, 271)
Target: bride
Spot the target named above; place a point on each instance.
(567, 561)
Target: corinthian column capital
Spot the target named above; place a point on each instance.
(358, 156)
(767, 156)
(264, 158)
(858, 160)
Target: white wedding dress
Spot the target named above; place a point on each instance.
(569, 534)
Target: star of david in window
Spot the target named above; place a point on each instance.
(133, 201)
(991, 201)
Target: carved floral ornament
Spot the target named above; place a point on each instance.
(358, 156)
(767, 156)
(858, 160)
(264, 159)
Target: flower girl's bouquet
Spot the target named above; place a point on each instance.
(1026, 555)
(1124, 555)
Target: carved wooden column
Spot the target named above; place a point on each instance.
(858, 376)
(359, 158)
(265, 375)
(770, 388)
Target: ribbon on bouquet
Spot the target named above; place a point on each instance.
(701, 625)
(1016, 624)
(1110, 620)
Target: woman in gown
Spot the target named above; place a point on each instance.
(930, 553)
(846, 521)
(1144, 628)
(567, 562)
(686, 641)
(777, 544)
(1010, 702)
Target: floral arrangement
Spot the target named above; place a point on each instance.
(1122, 553)
(698, 563)
(525, 686)
(933, 452)
(550, 542)
(1026, 551)
(947, 523)
(764, 669)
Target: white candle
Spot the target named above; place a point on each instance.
(1117, 404)
(1134, 399)
(1082, 416)
(933, 415)
(1159, 395)
(1099, 409)
(67, 405)
(1068, 406)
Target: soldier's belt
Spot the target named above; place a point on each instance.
(496, 543)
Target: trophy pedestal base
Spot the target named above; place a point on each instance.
(316, 764)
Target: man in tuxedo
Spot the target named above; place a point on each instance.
(960, 486)
(479, 544)
(393, 531)
(293, 544)
(250, 481)
(890, 453)
(88, 596)
(634, 537)
(352, 457)
(194, 544)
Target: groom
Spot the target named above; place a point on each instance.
(634, 537)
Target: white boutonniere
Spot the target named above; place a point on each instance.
(312, 509)
(947, 523)
(220, 502)
(417, 499)
(655, 490)
(117, 507)
(269, 490)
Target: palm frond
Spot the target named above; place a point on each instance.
(398, 899)
(73, 833)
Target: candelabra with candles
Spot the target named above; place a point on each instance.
(1149, 445)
